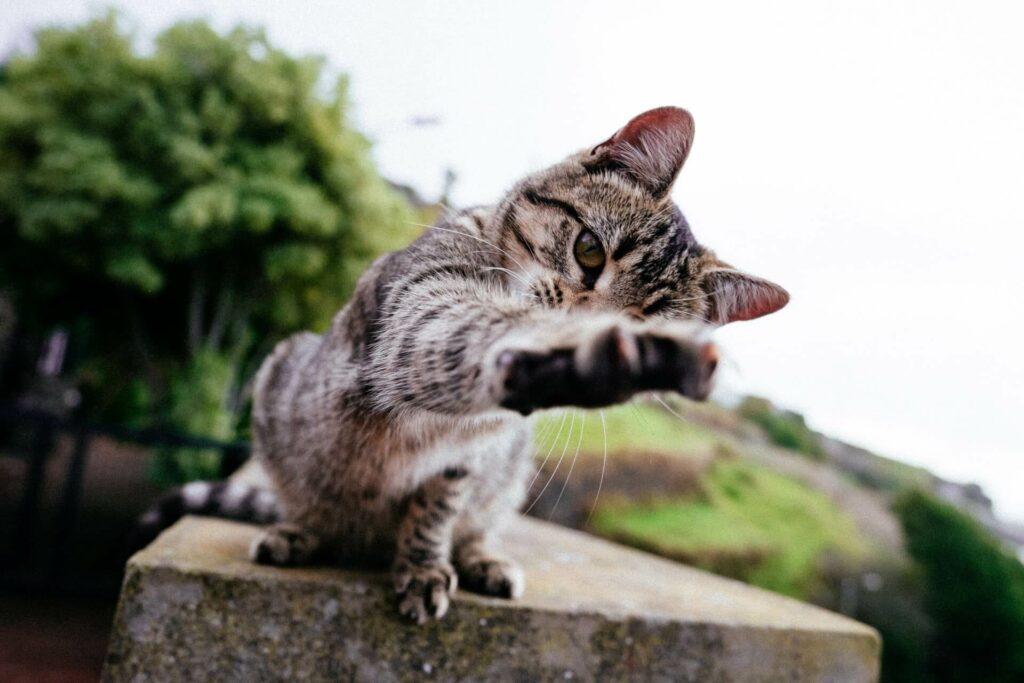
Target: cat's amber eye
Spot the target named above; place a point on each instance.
(588, 251)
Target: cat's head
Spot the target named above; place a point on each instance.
(599, 230)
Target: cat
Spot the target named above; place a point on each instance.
(399, 436)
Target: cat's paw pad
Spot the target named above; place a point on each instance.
(608, 367)
(674, 358)
(495, 577)
(423, 592)
(284, 545)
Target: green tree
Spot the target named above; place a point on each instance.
(973, 593)
(180, 210)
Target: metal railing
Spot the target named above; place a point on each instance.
(38, 434)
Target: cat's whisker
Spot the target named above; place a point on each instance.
(551, 450)
(517, 276)
(668, 407)
(568, 437)
(604, 464)
(474, 237)
(643, 419)
(541, 436)
(698, 297)
(579, 442)
(693, 316)
(545, 443)
(550, 435)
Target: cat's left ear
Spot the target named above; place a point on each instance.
(734, 295)
(650, 149)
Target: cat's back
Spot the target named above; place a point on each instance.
(309, 376)
(279, 379)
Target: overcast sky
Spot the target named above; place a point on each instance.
(870, 158)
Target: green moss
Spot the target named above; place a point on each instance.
(757, 525)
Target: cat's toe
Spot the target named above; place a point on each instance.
(284, 545)
(495, 577)
(682, 364)
(597, 373)
(423, 592)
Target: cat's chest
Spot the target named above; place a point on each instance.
(477, 450)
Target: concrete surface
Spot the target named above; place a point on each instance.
(193, 608)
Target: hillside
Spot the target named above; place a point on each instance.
(750, 492)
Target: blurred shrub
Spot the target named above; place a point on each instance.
(973, 593)
(886, 593)
(179, 210)
(784, 428)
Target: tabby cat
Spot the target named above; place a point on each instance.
(399, 436)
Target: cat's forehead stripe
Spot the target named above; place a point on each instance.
(534, 197)
(512, 222)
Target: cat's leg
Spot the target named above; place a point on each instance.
(286, 545)
(424, 578)
(604, 361)
(497, 494)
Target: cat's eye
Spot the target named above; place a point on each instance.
(588, 251)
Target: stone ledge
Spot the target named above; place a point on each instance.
(193, 608)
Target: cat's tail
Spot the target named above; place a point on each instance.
(225, 499)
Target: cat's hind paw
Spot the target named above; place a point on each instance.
(493, 576)
(284, 545)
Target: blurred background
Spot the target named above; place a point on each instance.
(184, 183)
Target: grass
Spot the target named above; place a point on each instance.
(632, 428)
(747, 521)
(751, 523)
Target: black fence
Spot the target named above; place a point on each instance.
(42, 487)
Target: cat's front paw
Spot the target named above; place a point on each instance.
(493, 576)
(423, 592)
(608, 367)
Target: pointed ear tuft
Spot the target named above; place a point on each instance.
(650, 149)
(735, 295)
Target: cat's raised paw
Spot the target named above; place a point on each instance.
(424, 592)
(608, 367)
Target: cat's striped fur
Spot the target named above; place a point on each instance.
(399, 435)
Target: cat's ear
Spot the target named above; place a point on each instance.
(734, 295)
(650, 149)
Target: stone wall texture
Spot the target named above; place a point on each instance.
(193, 608)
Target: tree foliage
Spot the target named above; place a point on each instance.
(973, 593)
(181, 209)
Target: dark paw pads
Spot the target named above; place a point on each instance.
(607, 369)
(455, 473)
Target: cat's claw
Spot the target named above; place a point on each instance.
(423, 592)
(608, 368)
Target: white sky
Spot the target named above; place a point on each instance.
(870, 158)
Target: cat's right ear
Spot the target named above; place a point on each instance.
(650, 149)
(733, 295)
